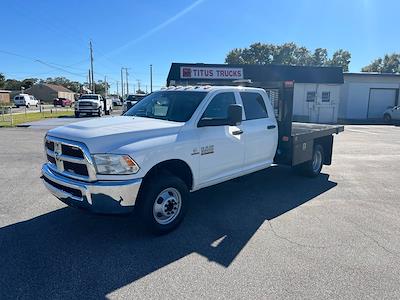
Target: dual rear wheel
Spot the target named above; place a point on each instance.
(312, 168)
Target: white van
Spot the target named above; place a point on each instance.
(25, 100)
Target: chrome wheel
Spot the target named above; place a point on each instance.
(167, 206)
(317, 161)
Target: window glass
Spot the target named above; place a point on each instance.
(254, 106)
(218, 107)
(177, 106)
(326, 96)
(311, 96)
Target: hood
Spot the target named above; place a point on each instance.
(89, 100)
(104, 135)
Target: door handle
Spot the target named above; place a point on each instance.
(237, 132)
(271, 126)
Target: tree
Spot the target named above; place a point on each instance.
(234, 57)
(74, 86)
(2, 80)
(28, 82)
(13, 85)
(320, 57)
(341, 58)
(287, 54)
(389, 64)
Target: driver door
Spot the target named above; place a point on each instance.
(221, 147)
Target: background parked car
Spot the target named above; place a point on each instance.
(63, 102)
(25, 100)
(392, 114)
(116, 101)
(131, 100)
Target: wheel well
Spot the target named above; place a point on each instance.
(177, 167)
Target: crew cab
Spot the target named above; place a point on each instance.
(25, 100)
(92, 104)
(174, 142)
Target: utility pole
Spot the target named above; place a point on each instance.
(151, 78)
(91, 67)
(117, 88)
(89, 80)
(105, 87)
(127, 82)
(122, 84)
(138, 83)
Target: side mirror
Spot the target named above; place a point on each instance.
(234, 114)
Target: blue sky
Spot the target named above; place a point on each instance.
(135, 34)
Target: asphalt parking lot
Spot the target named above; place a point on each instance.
(271, 234)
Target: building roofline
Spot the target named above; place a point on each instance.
(371, 74)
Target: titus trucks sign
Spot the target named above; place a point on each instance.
(211, 73)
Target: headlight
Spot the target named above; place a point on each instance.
(115, 164)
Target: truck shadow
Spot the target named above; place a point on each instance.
(70, 254)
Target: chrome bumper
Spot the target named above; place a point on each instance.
(100, 196)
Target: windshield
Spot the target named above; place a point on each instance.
(177, 106)
(95, 97)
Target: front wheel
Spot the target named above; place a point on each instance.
(77, 115)
(100, 113)
(162, 204)
(28, 105)
(387, 118)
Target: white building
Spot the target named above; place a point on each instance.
(316, 102)
(365, 96)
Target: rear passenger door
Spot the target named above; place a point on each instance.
(260, 131)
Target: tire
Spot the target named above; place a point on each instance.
(100, 113)
(28, 105)
(312, 168)
(162, 203)
(387, 118)
(77, 115)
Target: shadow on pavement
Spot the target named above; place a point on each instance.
(68, 253)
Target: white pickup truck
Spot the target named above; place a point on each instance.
(174, 142)
(92, 104)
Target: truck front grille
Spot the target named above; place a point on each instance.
(85, 103)
(50, 145)
(69, 158)
(76, 168)
(72, 151)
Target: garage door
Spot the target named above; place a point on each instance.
(379, 101)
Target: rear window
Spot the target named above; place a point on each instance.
(254, 106)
